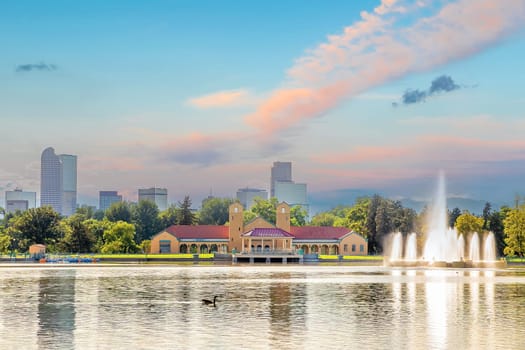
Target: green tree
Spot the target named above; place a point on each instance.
(453, 216)
(324, 219)
(467, 223)
(248, 216)
(119, 211)
(36, 225)
(120, 238)
(371, 226)
(298, 216)
(186, 216)
(215, 211)
(357, 216)
(78, 237)
(486, 215)
(265, 208)
(496, 226)
(96, 229)
(5, 243)
(515, 232)
(169, 216)
(146, 220)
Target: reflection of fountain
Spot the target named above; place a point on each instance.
(443, 247)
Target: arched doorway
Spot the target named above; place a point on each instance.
(183, 249)
(204, 249)
(193, 249)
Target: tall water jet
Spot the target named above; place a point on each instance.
(435, 245)
(461, 247)
(411, 247)
(474, 247)
(489, 250)
(397, 247)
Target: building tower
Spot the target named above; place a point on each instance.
(106, 198)
(58, 181)
(281, 172)
(236, 227)
(51, 180)
(159, 196)
(69, 184)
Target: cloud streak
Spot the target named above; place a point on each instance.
(35, 67)
(441, 84)
(378, 49)
(223, 99)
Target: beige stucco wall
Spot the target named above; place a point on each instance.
(155, 242)
(353, 239)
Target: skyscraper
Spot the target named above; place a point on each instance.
(282, 172)
(158, 196)
(58, 181)
(247, 195)
(19, 200)
(106, 198)
(69, 184)
(51, 180)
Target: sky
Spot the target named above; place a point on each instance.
(202, 97)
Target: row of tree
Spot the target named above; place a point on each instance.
(127, 227)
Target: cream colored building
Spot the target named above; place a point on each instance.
(258, 236)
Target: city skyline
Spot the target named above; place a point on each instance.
(369, 95)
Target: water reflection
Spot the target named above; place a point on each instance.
(260, 308)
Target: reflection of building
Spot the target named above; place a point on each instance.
(158, 196)
(258, 235)
(19, 200)
(247, 195)
(58, 181)
(106, 198)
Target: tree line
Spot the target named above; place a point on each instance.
(128, 227)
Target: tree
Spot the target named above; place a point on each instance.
(265, 208)
(5, 243)
(119, 211)
(496, 226)
(96, 229)
(371, 227)
(35, 225)
(486, 215)
(186, 216)
(120, 239)
(215, 211)
(77, 236)
(357, 216)
(298, 216)
(453, 216)
(145, 216)
(324, 219)
(467, 223)
(169, 216)
(515, 232)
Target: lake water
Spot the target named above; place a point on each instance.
(260, 307)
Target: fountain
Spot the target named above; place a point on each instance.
(443, 246)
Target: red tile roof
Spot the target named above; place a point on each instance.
(268, 232)
(199, 231)
(318, 232)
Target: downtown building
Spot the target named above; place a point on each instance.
(246, 196)
(19, 200)
(159, 196)
(58, 181)
(285, 189)
(106, 198)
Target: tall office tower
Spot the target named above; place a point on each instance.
(19, 200)
(58, 181)
(293, 194)
(158, 196)
(69, 184)
(282, 172)
(106, 198)
(247, 195)
(51, 180)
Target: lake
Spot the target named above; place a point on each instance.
(260, 307)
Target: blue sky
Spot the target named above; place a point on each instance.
(200, 95)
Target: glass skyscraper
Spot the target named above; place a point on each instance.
(58, 181)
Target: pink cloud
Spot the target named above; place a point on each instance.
(221, 99)
(374, 51)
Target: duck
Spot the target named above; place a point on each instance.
(209, 302)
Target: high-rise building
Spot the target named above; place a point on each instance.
(58, 181)
(51, 180)
(106, 198)
(282, 172)
(69, 184)
(247, 195)
(158, 196)
(292, 193)
(19, 200)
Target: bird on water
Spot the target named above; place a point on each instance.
(209, 302)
